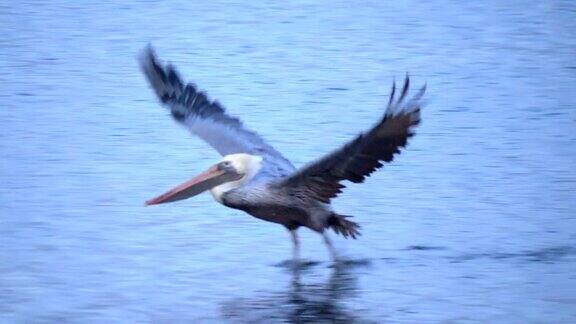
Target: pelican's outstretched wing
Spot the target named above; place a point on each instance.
(205, 118)
(362, 156)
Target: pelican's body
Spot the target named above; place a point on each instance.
(259, 198)
(254, 177)
(265, 201)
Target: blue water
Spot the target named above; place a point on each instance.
(475, 222)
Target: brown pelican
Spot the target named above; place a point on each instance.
(254, 177)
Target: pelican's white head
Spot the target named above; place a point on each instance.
(243, 164)
(230, 173)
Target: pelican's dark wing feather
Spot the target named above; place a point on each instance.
(207, 119)
(359, 158)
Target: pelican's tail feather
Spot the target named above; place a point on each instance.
(340, 225)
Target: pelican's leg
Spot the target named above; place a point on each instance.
(330, 246)
(295, 245)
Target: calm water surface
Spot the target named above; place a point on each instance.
(475, 222)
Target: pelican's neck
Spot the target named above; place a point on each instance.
(245, 164)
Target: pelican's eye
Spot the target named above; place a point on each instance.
(225, 165)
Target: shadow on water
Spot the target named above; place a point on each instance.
(544, 255)
(549, 254)
(303, 302)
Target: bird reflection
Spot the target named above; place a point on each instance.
(303, 302)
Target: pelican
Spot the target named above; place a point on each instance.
(254, 177)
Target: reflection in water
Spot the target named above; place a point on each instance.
(303, 302)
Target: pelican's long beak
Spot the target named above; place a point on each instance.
(200, 183)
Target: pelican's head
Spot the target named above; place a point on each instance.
(229, 173)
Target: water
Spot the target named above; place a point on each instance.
(475, 222)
